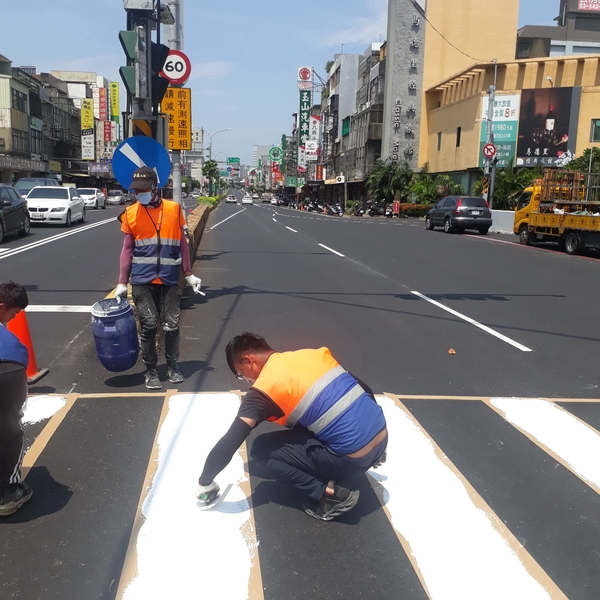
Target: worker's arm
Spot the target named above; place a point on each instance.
(127, 258)
(186, 263)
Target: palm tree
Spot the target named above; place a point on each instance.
(390, 180)
(210, 169)
(429, 189)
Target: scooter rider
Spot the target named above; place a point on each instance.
(155, 250)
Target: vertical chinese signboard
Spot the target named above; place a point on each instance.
(103, 104)
(114, 110)
(88, 145)
(303, 127)
(177, 105)
(505, 127)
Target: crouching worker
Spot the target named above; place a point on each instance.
(14, 359)
(334, 430)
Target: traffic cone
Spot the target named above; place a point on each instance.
(20, 328)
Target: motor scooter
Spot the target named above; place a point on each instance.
(376, 210)
(358, 210)
(389, 212)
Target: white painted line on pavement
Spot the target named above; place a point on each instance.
(291, 229)
(331, 250)
(461, 548)
(560, 433)
(54, 238)
(172, 553)
(227, 219)
(58, 308)
(473, 322)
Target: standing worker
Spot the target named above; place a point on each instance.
(155, 250)
(336, 431)
(14, 359)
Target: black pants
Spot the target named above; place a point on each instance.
(298, 457)
(156, 304)
(13, 394)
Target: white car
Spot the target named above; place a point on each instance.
(274, 201)
(92, 197)
(231, 198)
(255, 197)
(115, 197)
(247, 200)
(55, 204)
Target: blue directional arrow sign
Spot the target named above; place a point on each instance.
(140, 151)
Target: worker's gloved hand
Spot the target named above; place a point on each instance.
(195, 282)
(207, 493)
(121, 291)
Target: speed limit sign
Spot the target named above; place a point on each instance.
(177, 68)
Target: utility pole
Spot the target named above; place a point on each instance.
(490, 163)
(174, 41)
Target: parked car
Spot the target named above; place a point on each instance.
(55, 204)
(14, 217)
(247, 200)
(26, 184)
(231, 198)
(274, 201)
(255, 197)
(115, 197)
(457, 213)
(92, 197)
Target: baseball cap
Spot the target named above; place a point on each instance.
(143, 178)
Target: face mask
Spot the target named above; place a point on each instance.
(144, 197)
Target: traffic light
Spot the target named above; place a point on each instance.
(129, 42)
(159, 54)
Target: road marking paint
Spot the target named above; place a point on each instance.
(54, 238)
(58, 308)
(291, 229)
(461, 548)
(227, 219)
(331, 250)
(41, 441)
(475, 323)
(2, 250)
(570, 441)
(171, 557)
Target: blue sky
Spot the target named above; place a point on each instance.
(244, 54)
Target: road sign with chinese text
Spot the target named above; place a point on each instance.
(177, 105)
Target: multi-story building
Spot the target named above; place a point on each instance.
(577, 32)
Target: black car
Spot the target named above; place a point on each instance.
(457, 213)
(14, 216)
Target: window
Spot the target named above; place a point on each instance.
(458, 132)
(595, 135)
(439, 144)
(19, 100)
(37, 143)
(524, 200)
(20, 141)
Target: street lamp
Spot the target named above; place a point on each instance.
(211, 135)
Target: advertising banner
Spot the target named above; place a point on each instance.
(547, 125)
(505, 127)
(302, 162)
(103, 102)
(107, 132)
(88, 145)
(114, 101)
(312, 151)
(303, 127)
(314, 133)
(319, 173)
(177, 104)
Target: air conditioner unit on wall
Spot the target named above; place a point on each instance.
(44, 157)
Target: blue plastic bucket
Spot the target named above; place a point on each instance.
(115, 334)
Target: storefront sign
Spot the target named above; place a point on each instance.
(55, 166)
(177, 104)
(303, 127)
(88, 145)
(114, 100)
(593, 5)
(103, 108)
(107, 132)
(23, 164)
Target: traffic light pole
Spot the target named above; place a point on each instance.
(490, 163)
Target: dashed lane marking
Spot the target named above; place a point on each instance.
(291, 229)
(331, 250)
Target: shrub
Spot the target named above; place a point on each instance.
(209, 200)
(414, 210)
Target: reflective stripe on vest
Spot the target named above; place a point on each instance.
(337, 409)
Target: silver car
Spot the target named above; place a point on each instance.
(92, 197)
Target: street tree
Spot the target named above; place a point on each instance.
(210, 169)
(428, 189)
(390, 181)
(582, 163)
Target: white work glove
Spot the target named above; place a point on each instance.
(195, 282)
(207, 493)
(121, 291)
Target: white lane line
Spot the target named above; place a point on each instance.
(331, 250)
(461, 548)
(227, 219)
(560, 433)
(4, 250)
(476, 323)
(58, 308)
(54, 238)
(170, 558)
(291, 229)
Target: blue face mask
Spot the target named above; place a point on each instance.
(144, 197)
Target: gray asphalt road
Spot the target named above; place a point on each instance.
(390, 299)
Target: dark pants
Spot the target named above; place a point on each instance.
(13, 394)
(298, 457)
(156, 304)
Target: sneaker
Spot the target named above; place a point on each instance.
(152, 380)
(330, 507)
(14, 497)
(174, 374)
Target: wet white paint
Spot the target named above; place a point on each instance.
(459, 551)
(574, 442)
(182, 551)
(40, 408)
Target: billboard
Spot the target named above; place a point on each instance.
(177, 105)
(547, 125)
(593, 5)
(88, 144)
(114, 101)
(505, 127)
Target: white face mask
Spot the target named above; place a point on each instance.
(144, 197)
